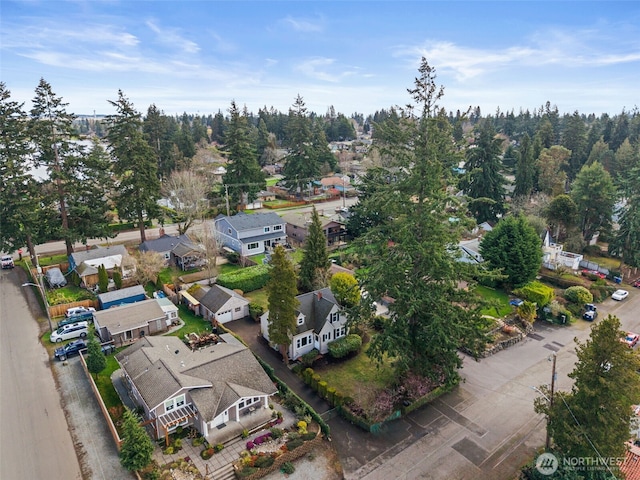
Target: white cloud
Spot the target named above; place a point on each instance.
(319, 69)
(304, 24)
(171, 38)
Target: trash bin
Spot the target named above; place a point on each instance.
(617, 279)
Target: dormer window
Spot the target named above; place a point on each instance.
(267, 229)
(334, 317)
(300, 320)
(277, 228)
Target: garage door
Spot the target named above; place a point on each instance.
(225, 316)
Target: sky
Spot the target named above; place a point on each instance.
(357, 56)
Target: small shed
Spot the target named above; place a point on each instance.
(122, 296)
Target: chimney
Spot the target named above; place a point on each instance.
(319, 295)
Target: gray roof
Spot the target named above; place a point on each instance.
(217, 296)
(165, 243)
(243, 221)
(99, 252)
(217, 375)
(121, 294)
(316, 310)
(127, 317)
(186, 248)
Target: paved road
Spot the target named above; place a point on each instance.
(35, 442)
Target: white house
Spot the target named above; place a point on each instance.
(220, 304)
(320, 321)
(554, 256)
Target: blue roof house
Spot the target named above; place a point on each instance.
(251, 234)
(122, 296)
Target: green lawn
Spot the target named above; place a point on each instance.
(192, 323)
(498, 297)
(105, 387)
(272, 181)
(358, 377)
(259, 297)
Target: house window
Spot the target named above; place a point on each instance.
(241, 404)
(334, 317)
(252, 246)
(229, 231)
(267, 229)
(169, 405)
(128, 335)
(277, 228)
(238, 309)
(300, 320)
(339, 332)
(326, 337)
(180, 401)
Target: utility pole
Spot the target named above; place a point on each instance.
(553, 383)
(226, 194)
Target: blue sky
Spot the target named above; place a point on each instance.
(359, 56)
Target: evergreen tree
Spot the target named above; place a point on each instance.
(103, 278)
(594, 419)
(301, 163)
(21, 202)
(484, 182)
(574, 139)
(135, 165)
(551, 175)
(525, 169)
(137, 449)
(514, 247)
(406, 252)
(594, 194)
(96, 361)
(79, 182)
(315, 264)
(263, 138)
(281, 295)
(158, 132)
(244, 176)
(562, 215)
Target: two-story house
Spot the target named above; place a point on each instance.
(220, 389)
(319, 321)
(297, 228)
(251, 234)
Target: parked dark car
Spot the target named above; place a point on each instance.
(591, 312)
(70, 349)
(80, 317)
(77, 346)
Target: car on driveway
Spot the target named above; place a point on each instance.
(595, 273)
(636, 283)
(80, 329)
(80, 317)
(631, 339)
(7, 262)
(620, 295)
(70, 349)
(78, 310)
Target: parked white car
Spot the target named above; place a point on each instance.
(80, 329)
(7, 262)
(78, 310)
(620, 295)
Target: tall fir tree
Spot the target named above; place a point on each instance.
(281, 296)
(406, 252)
(315, 264)
(135, 165)
(244, 176)
(96, 361)
(574, 139)
(525, 169)
(301, 163)
(484, 183)
(137, 449)
(21, 204)
(595, 195)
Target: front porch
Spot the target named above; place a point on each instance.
(254, 419)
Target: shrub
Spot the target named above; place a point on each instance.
(168, 450)
(255, 310)
(308, 358)
(246, 279)
(308, 436)
(207, 453)
(307, 375)
(245, 433)
(322, 389)
(196, 442)
(218, 448)
(246, 471)
(264, 461)
(287, 468)
(293, 444)
(177, 444)
(276, 432)
(344, 346)
(250, 445)
(578, 295)
(536, 292)
(302, 427)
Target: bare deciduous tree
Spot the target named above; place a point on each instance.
(209, 239)
(148, 266)
(187, 192)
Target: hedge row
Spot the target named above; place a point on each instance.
(536, 292)
(246, 279)
(344, 346)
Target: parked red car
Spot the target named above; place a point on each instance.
(598, 274)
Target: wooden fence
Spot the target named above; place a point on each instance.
(103, 407)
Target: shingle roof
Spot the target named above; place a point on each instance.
(121, 294)
(99, 252)
(165, 243)
(186, 248)
(243, 221)
(127, 317)
(315, 310)
(217, 296)
(218, 375)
